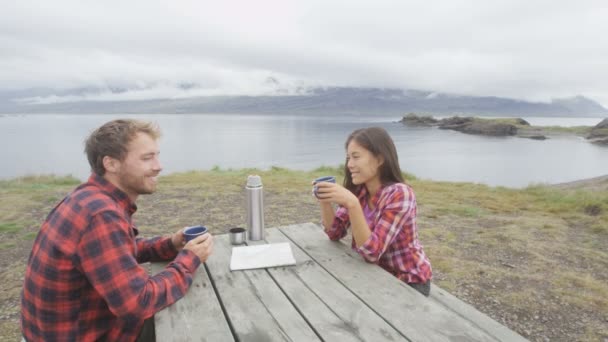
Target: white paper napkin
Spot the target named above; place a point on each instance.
(260, 256)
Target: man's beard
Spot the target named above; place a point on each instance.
(137, 184)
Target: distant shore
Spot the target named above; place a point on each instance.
(509, 127)
(592, 184)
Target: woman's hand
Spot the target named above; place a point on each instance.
(335, 193)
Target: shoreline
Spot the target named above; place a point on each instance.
(586, 183)
(592, 184)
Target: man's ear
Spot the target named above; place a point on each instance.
(110, 164)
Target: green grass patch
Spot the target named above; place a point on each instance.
(582, 290)
(10, 227)
(460, 210)
(443, 264)
(576, 130)
(30, 236)
(42, 182)
(465, 211)
(511, 121)
(564, 203)
(7, 245)
(518, 299)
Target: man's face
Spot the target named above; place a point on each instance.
(137, 174)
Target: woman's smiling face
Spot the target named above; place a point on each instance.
(362, 164)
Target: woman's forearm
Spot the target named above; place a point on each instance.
(327, 215)
(359, 226)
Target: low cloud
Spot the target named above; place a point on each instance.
(517, 49)
(269, 87)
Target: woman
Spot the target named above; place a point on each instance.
(379, 208)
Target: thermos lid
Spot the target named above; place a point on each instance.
(254, 181)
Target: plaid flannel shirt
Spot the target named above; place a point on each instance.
(393, 243)
(83, 280)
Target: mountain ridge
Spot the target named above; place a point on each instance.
(315, 101)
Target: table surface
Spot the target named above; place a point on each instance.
(331, 294)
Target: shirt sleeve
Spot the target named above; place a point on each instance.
(106, 255)
(340, 224)
(155, 249)
(399, 209)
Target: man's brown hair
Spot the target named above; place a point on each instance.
(113, 138)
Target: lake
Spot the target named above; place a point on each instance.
(53, 144)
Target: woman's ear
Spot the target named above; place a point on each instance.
(380, 160)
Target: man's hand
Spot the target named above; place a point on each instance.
(178, 239)
(202, 246)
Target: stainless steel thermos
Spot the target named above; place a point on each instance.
(255, 208)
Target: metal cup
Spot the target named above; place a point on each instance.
(238, 235)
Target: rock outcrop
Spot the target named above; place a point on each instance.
(478, 126)
(508, 127)
(468, 125)
(599, 133)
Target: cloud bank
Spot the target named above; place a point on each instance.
(116, 50)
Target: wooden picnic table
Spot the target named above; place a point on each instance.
(331, 294)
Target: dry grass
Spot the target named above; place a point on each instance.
(534, 259)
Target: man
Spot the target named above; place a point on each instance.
(83, 280)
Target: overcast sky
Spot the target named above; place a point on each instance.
(533, 50)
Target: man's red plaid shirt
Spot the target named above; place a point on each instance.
(84, 281)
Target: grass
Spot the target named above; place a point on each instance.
(573, 130)
(40, 182)
(576, 130)
(533, 250)
(11, 227)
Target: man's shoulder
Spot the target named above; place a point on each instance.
(92, 198)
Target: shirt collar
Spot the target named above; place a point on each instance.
(363, 194)
(119, 196)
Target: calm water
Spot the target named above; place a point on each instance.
(53, 144)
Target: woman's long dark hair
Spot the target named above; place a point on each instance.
(379, 143)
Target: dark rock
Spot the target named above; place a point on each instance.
(600, 141)
(454, 122)
(602, 124)
(412, 119)
(536, 137)
(522, 122)
(492, 129)
(475, 126)
(599, 133)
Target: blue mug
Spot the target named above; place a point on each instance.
(194, 231)
(329, 179)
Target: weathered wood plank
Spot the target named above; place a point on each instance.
(333, 311)
(485, 322)
(417, 317)
(196, 317)
(256, 307)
